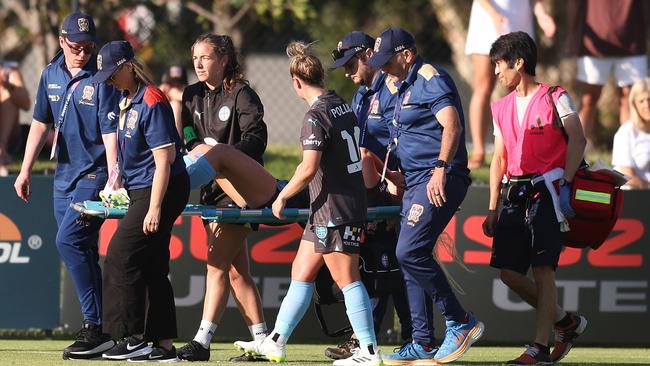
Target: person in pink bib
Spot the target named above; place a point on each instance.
(538, 146)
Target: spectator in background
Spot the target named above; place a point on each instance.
(631, 154)
(13, 98)
(488, 20)
(613, 38)
(174, 80)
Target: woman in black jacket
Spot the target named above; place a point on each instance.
(222, 109)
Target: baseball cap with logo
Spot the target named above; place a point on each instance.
(352, 43)
(79, 27)
(389, 42)
(110, 58)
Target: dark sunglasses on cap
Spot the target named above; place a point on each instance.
(338, 53)
(77, 50)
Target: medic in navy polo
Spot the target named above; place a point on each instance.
(139, 299)
(374, 102)
(145, 123)
(84, 118)
(428, 126)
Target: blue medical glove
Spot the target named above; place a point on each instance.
(565, 199)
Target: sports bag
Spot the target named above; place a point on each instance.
(597, 201)
(596, 198)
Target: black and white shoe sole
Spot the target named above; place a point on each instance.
(125, 356)
(89, 354)
(166, 360)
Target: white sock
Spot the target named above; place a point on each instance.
(559, 315)
(258, 331)
(205, 333)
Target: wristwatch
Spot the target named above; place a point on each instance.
(440, 164)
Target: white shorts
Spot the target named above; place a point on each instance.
(627, 69)
(481, 32)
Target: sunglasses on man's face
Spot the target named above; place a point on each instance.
(78, 50)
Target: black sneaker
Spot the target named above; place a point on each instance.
(128, 348)
(90, 343)
(194, 351)
(344, 350)
(158, 354)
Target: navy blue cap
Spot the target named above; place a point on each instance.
(352, 43)
(110, 57)
(78, 27)
(389, 42)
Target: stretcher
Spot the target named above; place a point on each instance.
(232, 215)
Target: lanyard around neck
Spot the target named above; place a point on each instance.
(59, 122)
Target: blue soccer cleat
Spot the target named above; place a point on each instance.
(410, 354)
(458, 338)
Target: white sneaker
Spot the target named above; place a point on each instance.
(266, 348)
(361, 357)
(249, 348)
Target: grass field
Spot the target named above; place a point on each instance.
(45, 352)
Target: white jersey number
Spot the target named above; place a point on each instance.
(353, 149)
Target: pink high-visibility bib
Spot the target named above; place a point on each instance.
(537, 146)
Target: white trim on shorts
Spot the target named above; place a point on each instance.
(627, 69)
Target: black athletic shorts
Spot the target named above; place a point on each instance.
(517, 245)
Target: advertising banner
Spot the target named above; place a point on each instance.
(29, 261)
(608, 286)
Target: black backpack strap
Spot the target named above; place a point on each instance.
(557, 120)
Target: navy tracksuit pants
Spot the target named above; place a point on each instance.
(76, 241)
(421, 224)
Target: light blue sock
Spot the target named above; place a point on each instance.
(359, 310)
(200, 171)
(293, 307)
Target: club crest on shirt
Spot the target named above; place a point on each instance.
(87, 95)
(83, 24)
(131, 119)
(414, 214)
(224, 113)
(89, 90)
(374, 106)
